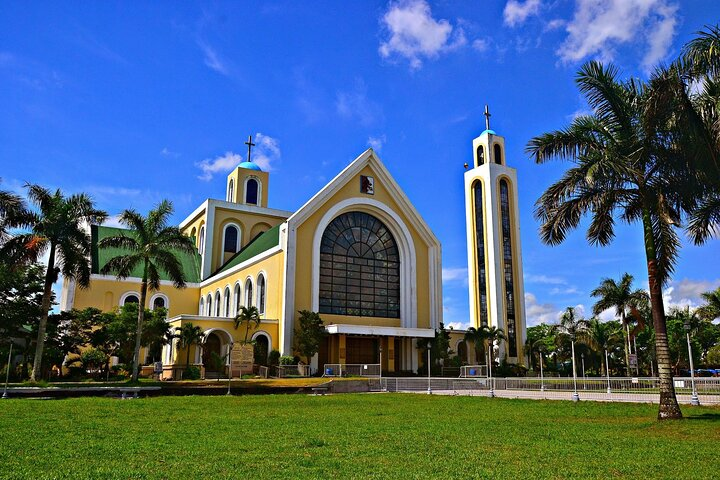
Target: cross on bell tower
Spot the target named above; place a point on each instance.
(250, 144)
(487, 117)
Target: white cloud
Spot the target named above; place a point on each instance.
(166, 152)
(564, 291)
(481, 44)
(598, 27)
(265, 154)
(455, 275)
(458, 325)
(415, 35)
(516, 11)
(113, 221)
(554, 24)
(687, 293)
(355, 105)
(537, 313)
(212, 59)
(376, 143)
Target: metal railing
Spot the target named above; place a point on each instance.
(286, 371)
(351, 370)
(620, 389)
(473, 371)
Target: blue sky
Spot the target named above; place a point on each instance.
(136, 102)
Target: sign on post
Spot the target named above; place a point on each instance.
(632, 359)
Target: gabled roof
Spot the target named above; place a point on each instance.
(262, 243)
(100, 256)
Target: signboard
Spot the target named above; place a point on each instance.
(679, 383)
(632, 359)
(634, 380)
(242, 357)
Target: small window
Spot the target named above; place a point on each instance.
(231, 190)
(227, 301)
(238, 298)
(159, 302)
(480, 155)
(248, 293)
(497, 153)
(217, 304)
(231, 239)
(209, 305)
(261, 293)
(131, 299)
(201, 240)
(251, 192)
(201, 310)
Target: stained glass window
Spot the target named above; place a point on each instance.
(359, 268)
(508, 268)
(231, 239)
(480, 253)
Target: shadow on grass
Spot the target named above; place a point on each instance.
(705, 416)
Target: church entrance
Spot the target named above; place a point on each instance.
(362, 350)
(211, 356)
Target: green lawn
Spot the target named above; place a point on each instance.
(360, 436)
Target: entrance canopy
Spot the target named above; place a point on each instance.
(335, 329)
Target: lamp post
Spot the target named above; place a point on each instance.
(607, 371)
(7, 374)
(380, 349)
(429, 390)
(694, 400)
(582, 358)
(230, 366)
(491, 352)
(575, 396)
(542, 378)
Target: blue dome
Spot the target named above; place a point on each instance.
(250, 166)
(491, 132)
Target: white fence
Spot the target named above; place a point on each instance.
(285, 371)
(473, 371)
(621, 389)
(351, 369)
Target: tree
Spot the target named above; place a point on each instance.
(601, 336)
(59, 228)
(541, 339)
(619, 296)
(152, 246)
(711, 309)
(494, 334)
(622, 167)
(310, 334)
(248, 316)
(15, 247)
(477, 336)
(187, 336)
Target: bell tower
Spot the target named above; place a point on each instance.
(495, 277)
(248, 184)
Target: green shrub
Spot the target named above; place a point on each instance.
(191, 373)
(274, 358)
(287, 360)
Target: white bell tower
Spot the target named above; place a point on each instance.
(497, 293)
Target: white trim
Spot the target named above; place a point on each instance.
(207, 255)
(201, 305)
(124, 296)
(195, 214)
(113, 278)
(67, 296)
(406, 249)
(208, 304)
(247, 263)
(238, 239)
(335, 329)
(265, 334)
(224, 349)
(199, 318)
(238, 207)
(201, 239)
(159, 295)
(259, 190)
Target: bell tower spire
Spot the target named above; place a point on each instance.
(496, 290)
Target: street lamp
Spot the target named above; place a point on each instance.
(542, 378)
(694, 400)
(491, 352)
(575, 396)
(582, 357)
(429, 390)
(230, 366)
(607, 371)
(7, 374)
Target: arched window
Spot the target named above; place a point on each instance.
(462, 352)
(508, 268)
(132, 298)
(248, 293)
(201, 240)
(227, 302)
(480, 252)
(201, 310)
(209, 305)
(217, 304)
(359, 268)
(231, 190)
(261, 293)
(238, 298)
(497, 153)
(193, 235)
(251, 191)
(480, 155)
(230, 239)
(159, 302)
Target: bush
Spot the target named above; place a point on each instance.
(288, 360)
(191, 373)
(510, 370)
(274, 358)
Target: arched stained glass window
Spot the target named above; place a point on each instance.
(251, 192)
(508, 282)
(217, 304)
(261, 293)
(248, 293)
(231, 239)
(480, 253)
(359, 268)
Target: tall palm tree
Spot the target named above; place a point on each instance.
(622, 169)
(152, 246)
(493, 334)
(477, 337)
(711, 309)
(59, 228)
(189, 335)
(620, 296)
(248, 316)
(601, 336)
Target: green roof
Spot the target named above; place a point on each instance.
(100, 256)
(262, 243)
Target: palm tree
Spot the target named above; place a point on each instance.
(248, 316)
(59, 228)
(152, 246)
(711, 309)
(622, 169)
(493, 334)
(477, 336)
(601, 336)
(15, 248)
(620, 296)
(187, 336)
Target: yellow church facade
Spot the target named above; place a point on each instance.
(357, 252)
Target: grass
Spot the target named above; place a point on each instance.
(351, 436)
